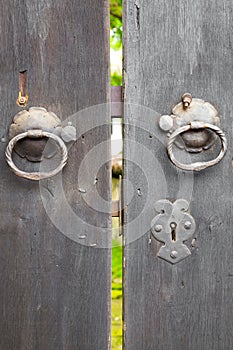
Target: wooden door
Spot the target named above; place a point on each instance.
(54, 288)
(171, 47)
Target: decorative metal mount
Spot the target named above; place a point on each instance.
(29, 134)
(173, 226)
(194, 127)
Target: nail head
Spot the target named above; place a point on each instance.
(158, 228)
(174, 254)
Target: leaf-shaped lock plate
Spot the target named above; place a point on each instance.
(173, 226)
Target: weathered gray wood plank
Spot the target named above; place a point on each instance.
(54, 292)
(172, 47)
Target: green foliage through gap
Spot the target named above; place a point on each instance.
(116, 79)
(116, 36)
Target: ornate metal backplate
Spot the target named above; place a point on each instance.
(173, 226)
(185, 113)
(38, 118)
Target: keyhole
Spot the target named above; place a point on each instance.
(173, 230)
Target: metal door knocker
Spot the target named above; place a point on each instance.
(173, 226)
(194, 127)
(37, 124)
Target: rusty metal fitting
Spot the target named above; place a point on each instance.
(22, 101)
(186, 100)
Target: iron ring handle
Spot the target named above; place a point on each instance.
(36, 134)
(198, 165)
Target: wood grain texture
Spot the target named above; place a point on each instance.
(54, 292)
(171, 47)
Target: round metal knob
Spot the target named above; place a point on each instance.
(198, 165)
(36, 134)
(166, 122)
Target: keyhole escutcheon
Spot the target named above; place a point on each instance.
(173, 226)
